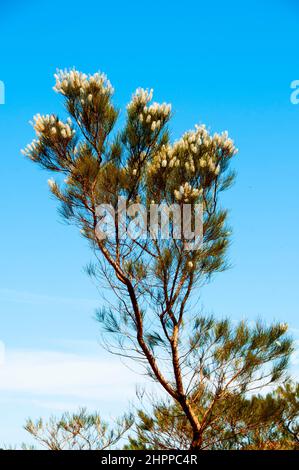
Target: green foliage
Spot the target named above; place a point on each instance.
(261, 422)
(78, 431)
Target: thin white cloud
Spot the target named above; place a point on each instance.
(11, 295)
(72, 376)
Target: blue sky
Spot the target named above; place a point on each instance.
(226, 64)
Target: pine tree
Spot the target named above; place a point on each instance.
(258, 422)
(97, 160)
(78, 431)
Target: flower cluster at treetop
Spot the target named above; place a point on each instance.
(74, 82)
(153, 116)
(192, 164)
(85, 144)
(196, 150)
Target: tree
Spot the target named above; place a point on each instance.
(259, 422)
(153, 277)
(78, 431)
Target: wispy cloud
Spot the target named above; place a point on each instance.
(11, 295)
(35, 383)
(59, 374)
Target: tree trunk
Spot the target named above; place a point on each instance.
(193, 420)
(196, 441)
